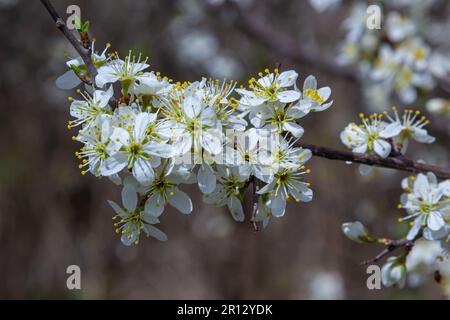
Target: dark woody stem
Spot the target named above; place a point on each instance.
(82, 46)
(393, 161)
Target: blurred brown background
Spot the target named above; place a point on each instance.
(52, 217)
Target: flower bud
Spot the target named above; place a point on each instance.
(357, 232)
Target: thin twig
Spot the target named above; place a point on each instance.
(84, 52)
(83, 49)
(394, 245)
(392, 162)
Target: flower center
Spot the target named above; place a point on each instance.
(135, 149)
(314, 95)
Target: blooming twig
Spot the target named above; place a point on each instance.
(83, 50)
(393, 162)
(83, 47)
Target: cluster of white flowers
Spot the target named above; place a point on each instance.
(380, 134)
(427, 203)
(401, 56)
(158, 135)
(404, 58)
(426, 261)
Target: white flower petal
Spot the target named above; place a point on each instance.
(391, 130)
(421, 135)
(296, 130)
(415, 228)
(180, 200)
(155, 233)
(143, 171)
(211, 140)
(278, 205)
(288, 96)
(163, 150)
(141, 124)
(114, 164)
(154, 205)
(68, 80)
(130, 237)
(382, 148)
(103, 78)
(192, 106)
(435, 221)
(117, 209)
(324, 93)
(206, 179)
(129, 197)
(310, 83)
(115, 178)
(287, 78)
(102, 97)
(236, 210)
(183, 144)
(361, 148)
(120, 136)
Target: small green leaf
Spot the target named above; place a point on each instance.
(85, 26)
(75, 68)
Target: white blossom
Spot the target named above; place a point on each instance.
(131, 220)
(367, 138)
(270, 87)
(409, 125)
(133, 150)
(424, 201)
(126, 71)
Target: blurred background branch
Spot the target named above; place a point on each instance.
(255, 26)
